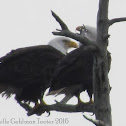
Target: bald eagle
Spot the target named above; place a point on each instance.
(74, 73)
(88, 32)
(91, 33)
(26, 72)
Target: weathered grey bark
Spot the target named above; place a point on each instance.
(57, 107)
(101, 82)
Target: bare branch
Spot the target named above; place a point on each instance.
(96, 122)
(25, 106)
(72, 35)
(66, 32)
(62, 24)
(61, 108)
(115, 20)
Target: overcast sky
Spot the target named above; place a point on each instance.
(29, 22)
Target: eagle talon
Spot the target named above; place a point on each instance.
(90, 102)
(80, 102)
(42, 102)
(36, 107)
(48, 113)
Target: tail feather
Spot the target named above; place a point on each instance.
(8, 92)
(55, 92)
(66, 99)
(2, 89)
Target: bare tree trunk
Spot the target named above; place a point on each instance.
(101, 82)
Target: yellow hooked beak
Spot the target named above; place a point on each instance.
(72, 44)
(79, 28)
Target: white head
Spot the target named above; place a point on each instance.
(88, 31)
(62, 44)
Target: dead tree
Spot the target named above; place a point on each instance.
(101, 107)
